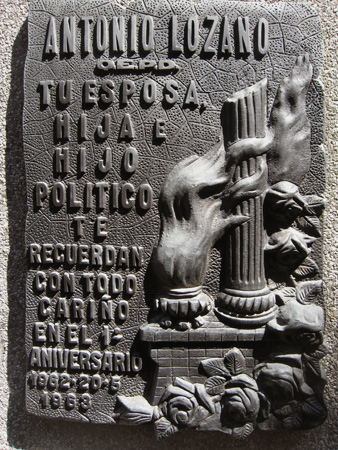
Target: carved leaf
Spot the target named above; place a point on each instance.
(321, 351)
(164, 428)
(234, 361)
(307, 291)
(273, 285)
(306, 390)
(215, 366)
(308, 268)
(313, 365)
(314, 204)
(293, 422)
(264, 406)
(310, 225)
(285, 410)
(311, 407)
(285, 295)
(244, 431)
(215, 385)
(134, 410)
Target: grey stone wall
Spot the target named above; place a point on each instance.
(18, 430)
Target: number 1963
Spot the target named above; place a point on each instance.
(67, 401)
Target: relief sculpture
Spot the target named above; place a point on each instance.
(175, 177)
(196, 206)
(247, 194)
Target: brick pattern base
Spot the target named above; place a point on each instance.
(179, 353)
(185, 363)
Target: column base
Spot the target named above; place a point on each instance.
(183, 308)
(247, 309)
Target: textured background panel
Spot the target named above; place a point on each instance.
(20, 430)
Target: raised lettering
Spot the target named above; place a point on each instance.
(170, 92)
(101, 34)
(149, 91)
(118, 26)
(207, 46)
(133, 34)
(51, 46)
(244, 35)
(159, 129)
(263, 36)
(39, 332)
(41, 192)
(58, 194)
(192, 33)
(46, 85)
(147, 34)
(65, 91)
(62, 126)
(191, 97)
(62, 160)
(130, 160)
(89, 92)
(108, 94)
(105, 166)
(127, 129)
(104, 129)
(87, 20)
(175, 45)
(73, 201)
(79, 225)
(127, 90)
(127, 198)
(68, 36)
(101, 226)
(71, 334)
(145, 197)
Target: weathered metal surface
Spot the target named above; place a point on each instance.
(175, 175)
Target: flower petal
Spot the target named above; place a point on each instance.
(180, 403)
(242, 380)
(179, 382)
(204, 398)
(174, 391)
(200, 414)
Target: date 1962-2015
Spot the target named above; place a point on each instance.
(49, 382)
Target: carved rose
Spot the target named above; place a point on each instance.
(181, 410)
(185, 404)
(287, 249)
(240, 400)
(299, 324)
(280, 382)
(308, 340)
(283, 204)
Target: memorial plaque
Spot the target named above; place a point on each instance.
(175, 177)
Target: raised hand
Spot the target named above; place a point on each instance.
(290, 155)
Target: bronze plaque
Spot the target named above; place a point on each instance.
(175, 173)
